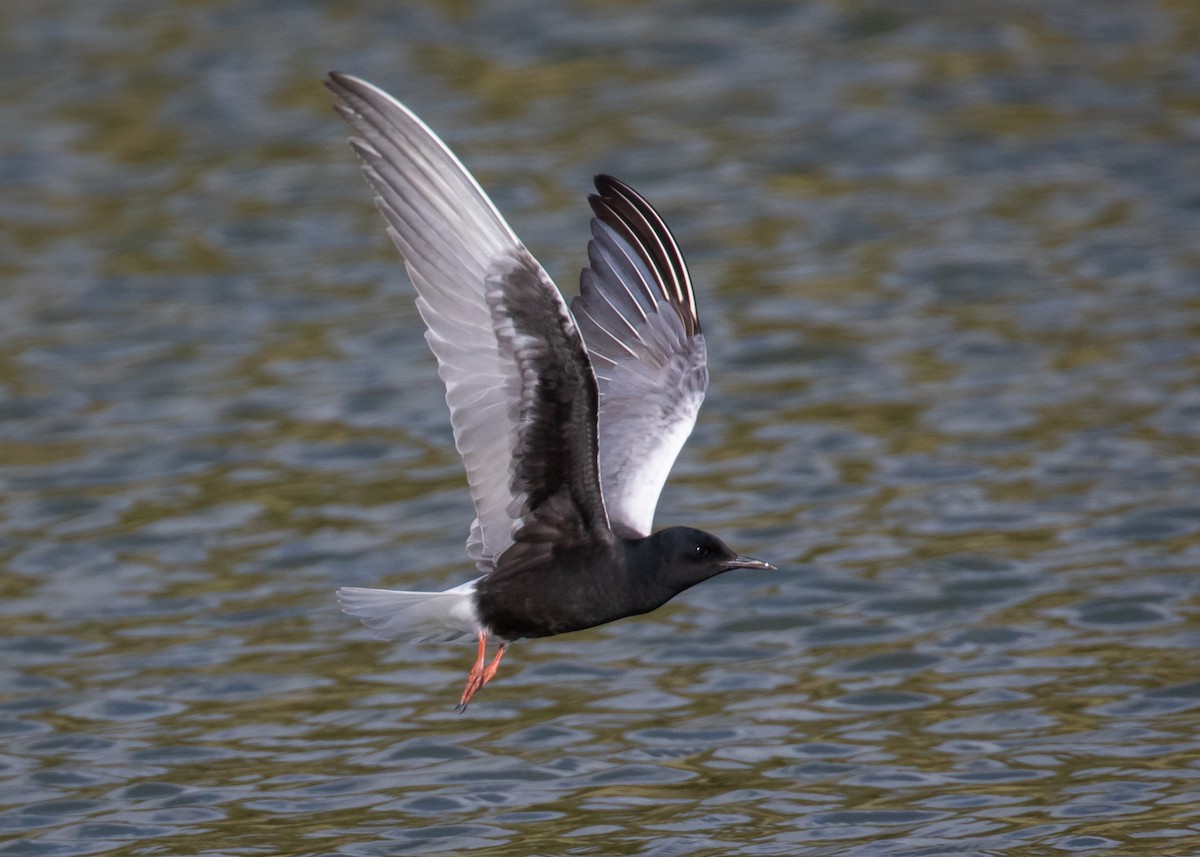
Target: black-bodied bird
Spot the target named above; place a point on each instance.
(568, 421)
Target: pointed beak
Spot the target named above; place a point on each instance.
(749, 562)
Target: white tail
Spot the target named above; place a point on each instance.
(418, 616)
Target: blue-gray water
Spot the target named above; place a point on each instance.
(947, 260)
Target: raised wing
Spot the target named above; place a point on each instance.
(637, 314)
(521, 394)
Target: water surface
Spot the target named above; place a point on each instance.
(947, 264)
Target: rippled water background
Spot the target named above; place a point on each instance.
(948, 258)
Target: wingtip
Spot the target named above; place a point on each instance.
(633, 217)
(341, 78)
(347, 88)
(607, 184)
(336, 80)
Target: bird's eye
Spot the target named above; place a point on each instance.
(699, 551)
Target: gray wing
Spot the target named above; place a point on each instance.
(521, 392)
(637, 313)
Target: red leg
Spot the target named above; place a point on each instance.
(492, 667)
(475, 680)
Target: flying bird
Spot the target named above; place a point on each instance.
(568, 421)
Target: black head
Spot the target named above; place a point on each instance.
(687, 556)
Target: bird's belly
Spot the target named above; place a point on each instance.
(513, 610)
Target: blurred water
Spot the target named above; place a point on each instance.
(948, 268)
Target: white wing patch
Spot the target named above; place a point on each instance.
(648, 407)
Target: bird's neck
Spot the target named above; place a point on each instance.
(640, 575)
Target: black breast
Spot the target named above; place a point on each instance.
(538, 589)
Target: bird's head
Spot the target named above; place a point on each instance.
(687, 556)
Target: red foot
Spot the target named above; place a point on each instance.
(480, 675)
